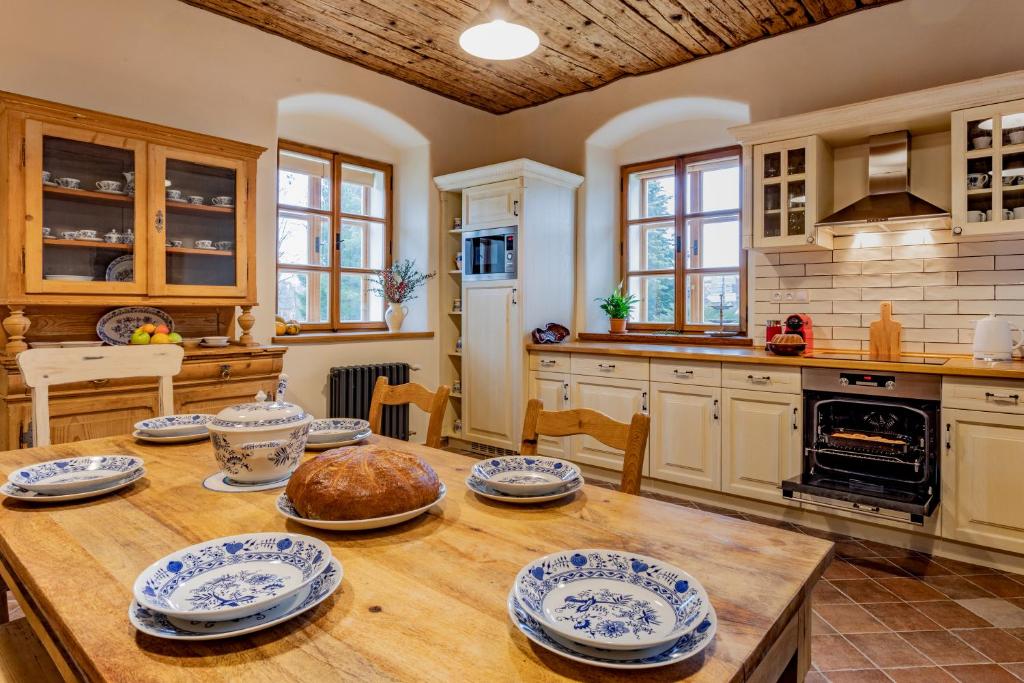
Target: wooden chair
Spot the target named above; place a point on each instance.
(430, 402)
(23, 657)
(42, 368)
(630, 438)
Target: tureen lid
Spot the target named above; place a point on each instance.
(260, 414)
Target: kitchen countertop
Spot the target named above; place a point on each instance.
(937, 365)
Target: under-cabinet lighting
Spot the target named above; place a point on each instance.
(496, 34)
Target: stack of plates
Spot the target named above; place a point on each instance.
(57, 481)
(337, 431)
(233, 585)
(612, 609)
(173, 428)
(525, 479)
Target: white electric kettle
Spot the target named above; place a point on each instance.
(993, 338)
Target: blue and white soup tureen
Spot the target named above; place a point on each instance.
(259, 442)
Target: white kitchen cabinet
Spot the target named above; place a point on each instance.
(686, 434)
(492, 365)
(495, 205)
(792, 191)
(761, 442)
(552, 388)
(619, 399)
(988, 170)
(982, 471)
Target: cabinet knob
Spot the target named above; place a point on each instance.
(957, 230)
(810, 239)
(225, 371)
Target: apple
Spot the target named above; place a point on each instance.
(140, 337)
(160, 338)
(162, 329)
(174, 337)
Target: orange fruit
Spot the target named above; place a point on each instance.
(148, 328)
(160, 338)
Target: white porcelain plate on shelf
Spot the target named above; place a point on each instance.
(117, 326)
(121, 269)
(18, 493)
(161, 626)
(610, 599)
(72, 475)
(285, 507)
(231, 577)
(648, 658)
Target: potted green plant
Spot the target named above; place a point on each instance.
(617, 306)
(396, 285)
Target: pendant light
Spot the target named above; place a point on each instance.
(496, 34)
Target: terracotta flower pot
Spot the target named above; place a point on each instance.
(616, 325)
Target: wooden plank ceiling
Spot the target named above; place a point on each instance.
(585, 44)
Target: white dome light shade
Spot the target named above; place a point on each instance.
(495, 34)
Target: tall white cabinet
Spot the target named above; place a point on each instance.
(497, 317)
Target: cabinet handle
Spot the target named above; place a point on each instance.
(606, 366)
(225, 371)
(949, 436)
(643, 406)
(547, 363)
(989, 396)
(100, 382)
(957, 230)
(515, 208)
(763, 379)
(680, 373)
(159, 220)
(714, 414)
(796, 413)
(565, 391)
(514, 291)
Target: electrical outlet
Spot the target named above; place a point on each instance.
(777, 296)
(793, 296)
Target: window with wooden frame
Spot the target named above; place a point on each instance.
(333, 232)
(682, 253)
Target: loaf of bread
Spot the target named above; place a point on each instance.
(362, 482)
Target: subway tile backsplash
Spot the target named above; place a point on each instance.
(938, 287)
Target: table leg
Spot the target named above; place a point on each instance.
(789, 658)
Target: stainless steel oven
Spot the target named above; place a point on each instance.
(490, 254)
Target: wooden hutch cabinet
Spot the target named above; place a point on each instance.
(100, 212)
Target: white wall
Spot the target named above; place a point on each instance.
(165, 62)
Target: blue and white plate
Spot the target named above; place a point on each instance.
(175, 425)
(350, 440)
(685, 647)
(121, 269)
(336, 429)
(231, 577)
(18, 493)
(285, 507)
(480, 488)
(161, 626)
(525, 475)
(116, 327)
(182, 438)
(72, 475)
(611, 600)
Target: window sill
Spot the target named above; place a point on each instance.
(344, 337)
(648, 338)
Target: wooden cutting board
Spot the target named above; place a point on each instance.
(885, 334)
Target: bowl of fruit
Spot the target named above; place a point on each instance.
(137, 325)
(154, 334)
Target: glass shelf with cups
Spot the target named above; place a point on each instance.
(988, 170)
(792, 187)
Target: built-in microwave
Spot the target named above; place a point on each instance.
(489, 254)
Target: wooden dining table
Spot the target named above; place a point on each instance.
(425, 600)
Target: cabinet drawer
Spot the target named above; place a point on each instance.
(761, 378)
(686, 372)
(619, 367)
(225, 369)
(991, 395)
(550, 362)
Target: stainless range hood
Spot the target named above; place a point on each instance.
(889, 197)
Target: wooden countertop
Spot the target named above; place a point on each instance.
(950, 365)
(425, 600)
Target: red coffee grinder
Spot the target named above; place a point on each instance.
(800, 323)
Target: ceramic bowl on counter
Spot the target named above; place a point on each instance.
(259, 442)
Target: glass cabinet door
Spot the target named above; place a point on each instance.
(85, 222)
(198, 204)
(781, 193)
(988, 191)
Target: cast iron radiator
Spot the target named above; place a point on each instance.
(351, 388)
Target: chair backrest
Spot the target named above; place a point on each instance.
(432, 402)
(630, 438)
(42, 368)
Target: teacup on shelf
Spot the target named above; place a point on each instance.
(69, 183)
(69, 235)
(204, 244)
(108, 185)
(47, 176)
(174, 194)
(222, 201)
(87, 234)
(1016, 137)
(47, 232)
(976, 181)
(195, 199)
(982, 141)
(176, 243)
(224, 245)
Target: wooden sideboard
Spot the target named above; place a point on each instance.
(210, 379)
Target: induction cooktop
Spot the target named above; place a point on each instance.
(866, 357)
